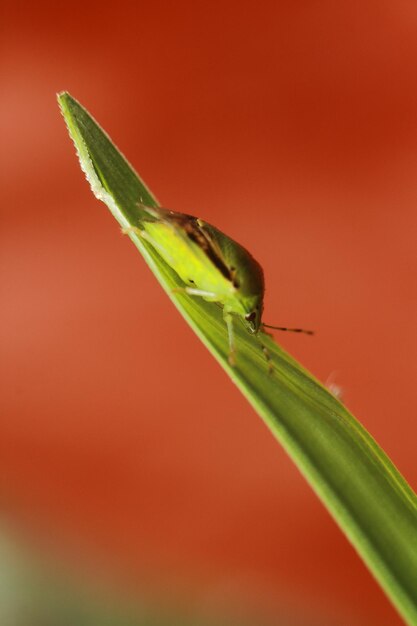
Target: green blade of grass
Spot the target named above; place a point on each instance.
(365, 493)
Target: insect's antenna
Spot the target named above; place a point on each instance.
(290, 330)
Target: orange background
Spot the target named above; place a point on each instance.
(292, 126)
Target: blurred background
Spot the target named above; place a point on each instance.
(126, 455)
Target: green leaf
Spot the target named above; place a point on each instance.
(365, 493)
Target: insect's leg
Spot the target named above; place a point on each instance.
(193, 291)
(154, 212)
(228, 318)
(133, 229)
(267, 354)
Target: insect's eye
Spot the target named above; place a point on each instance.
(250, 317)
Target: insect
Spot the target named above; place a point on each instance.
(212, 266)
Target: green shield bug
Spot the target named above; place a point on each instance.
(212, 266)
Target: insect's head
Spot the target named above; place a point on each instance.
(253, 318)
